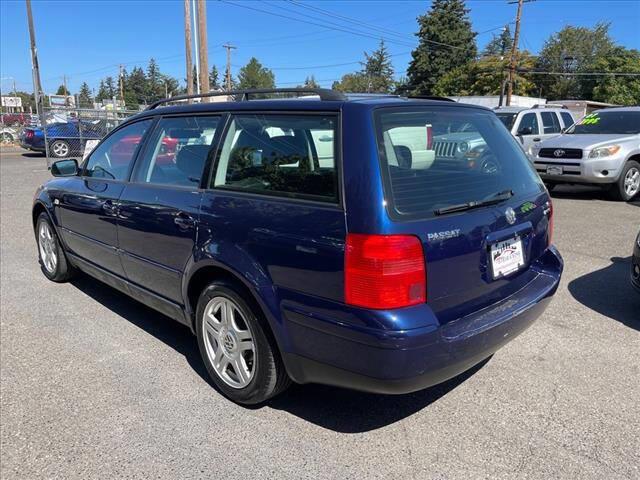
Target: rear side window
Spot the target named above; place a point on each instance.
(177, 151)
(528, 125)
(437, 157)
(550, 122)
(112, 158)
(567, 118)
(284, 155)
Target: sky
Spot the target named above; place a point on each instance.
(87, 40)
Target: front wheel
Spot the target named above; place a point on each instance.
(53, 261)
(628, 185)
(236, 346)
(60, 149)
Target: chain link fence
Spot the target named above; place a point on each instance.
(72, 132)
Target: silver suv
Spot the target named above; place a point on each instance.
(603, 148)
(533, 125)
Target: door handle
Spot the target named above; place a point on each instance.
(536, 139)
(110, 208)
(184, 220)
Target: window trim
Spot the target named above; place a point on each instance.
(538, 122)
(553, 115)
(266, 194)
(156, 125)
(136, 154)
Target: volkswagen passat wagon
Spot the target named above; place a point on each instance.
(319, 239)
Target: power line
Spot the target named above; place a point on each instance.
(585, 74)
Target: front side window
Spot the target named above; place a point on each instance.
(177, 151)
(550, 123)
(429, 163)
(528, 124)
(285, 155)
(113, 157)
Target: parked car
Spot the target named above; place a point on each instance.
(15, 119)
(635, 264)
(8, 135)
(601, 149)
(351, 267)
(65, 139)
(536, 124)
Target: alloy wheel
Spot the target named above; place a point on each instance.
(632, 181)
(60, 149)
(47, 247)
(229, 342)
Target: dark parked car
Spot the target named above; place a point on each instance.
(635, 264)
(294, 241)
(66, 139)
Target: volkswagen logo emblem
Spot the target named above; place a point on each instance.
(510, 215)
(558, 153)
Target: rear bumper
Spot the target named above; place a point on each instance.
(402, 361)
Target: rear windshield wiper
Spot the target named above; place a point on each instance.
(490, 200)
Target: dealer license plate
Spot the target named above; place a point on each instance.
(506, 257)
(554, 170)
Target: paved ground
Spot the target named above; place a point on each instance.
(94, 385)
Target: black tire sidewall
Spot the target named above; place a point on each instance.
(263, 383)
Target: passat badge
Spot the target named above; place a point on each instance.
(510, 214)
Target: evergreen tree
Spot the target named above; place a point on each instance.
(254, 75)
(155, 86)
(214, 79)
(310, 82)
(500, 45)
(378, 71)
(352, 82)
(446, 23)
(84, 96)
(62, 90)
(135, 88)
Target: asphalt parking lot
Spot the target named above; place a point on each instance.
(95, 385)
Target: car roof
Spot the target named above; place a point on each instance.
(302, 104)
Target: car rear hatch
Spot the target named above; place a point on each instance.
(483, 219)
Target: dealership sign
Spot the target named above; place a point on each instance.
(62, 101)
(11, 102)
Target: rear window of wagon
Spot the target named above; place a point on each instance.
(432, 157)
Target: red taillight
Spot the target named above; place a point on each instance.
(550, 222)
(384, 271)
(29, 134)
(429, 137)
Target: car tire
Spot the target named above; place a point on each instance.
(59, 149)
(51, 255)
(237, 347)
(6, 137)
(628, 185)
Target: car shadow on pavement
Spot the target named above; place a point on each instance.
(580, 192)
(608, 291)
(336, 409)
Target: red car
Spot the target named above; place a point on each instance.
(122, 152)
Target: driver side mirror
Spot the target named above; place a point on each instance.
(65, 168)
(525, 131)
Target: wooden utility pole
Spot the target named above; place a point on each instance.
(514, 50)
(203, 50)
(37, 86)
(227, 72)
(187, 45)
(121, 76)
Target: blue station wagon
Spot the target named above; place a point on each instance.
(319, 239)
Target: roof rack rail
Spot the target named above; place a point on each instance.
(325, 94)
(430, 97)
(549, 105)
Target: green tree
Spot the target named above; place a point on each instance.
(621, 90)
(214, 79)
(378, 70)
(135, 88)
(499, 45)
(62, 90)
(310, 82)
(154, 83)
(352, 82)
(573, 50)
(254, 75)
(446, 23)
(84, 96)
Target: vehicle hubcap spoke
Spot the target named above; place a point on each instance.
(632, 181)
(228, 342)
(46, 243)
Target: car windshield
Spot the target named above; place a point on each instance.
(608, 122)
(428, 166)
(507, 118)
